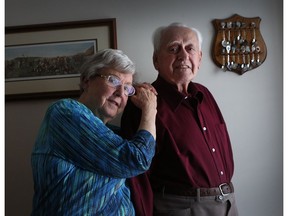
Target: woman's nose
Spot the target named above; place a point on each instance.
(119, 90)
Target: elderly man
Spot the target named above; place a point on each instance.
(192, 169)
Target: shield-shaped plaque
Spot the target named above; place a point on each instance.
(238, 44)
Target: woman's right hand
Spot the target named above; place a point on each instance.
(146, 100)
(145, 97)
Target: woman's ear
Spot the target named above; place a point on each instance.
(85, 84)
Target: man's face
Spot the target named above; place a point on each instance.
(179, 57)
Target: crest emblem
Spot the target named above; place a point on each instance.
(238, 44)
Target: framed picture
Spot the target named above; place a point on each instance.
(43, 60)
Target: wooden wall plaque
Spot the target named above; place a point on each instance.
(238, 44)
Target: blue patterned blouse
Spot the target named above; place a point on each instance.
(80, 165)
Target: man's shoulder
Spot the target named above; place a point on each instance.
(199, 86)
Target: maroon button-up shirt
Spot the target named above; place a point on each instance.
(193, 145)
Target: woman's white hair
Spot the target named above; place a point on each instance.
(107, 58)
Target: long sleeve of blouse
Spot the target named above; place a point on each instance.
(72, 132)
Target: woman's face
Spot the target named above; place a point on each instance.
(106, 101)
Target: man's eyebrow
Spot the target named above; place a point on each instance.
(171, 43)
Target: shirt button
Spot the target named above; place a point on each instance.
(213, 150)
(204, 128)
(220, 197)
(222, 173)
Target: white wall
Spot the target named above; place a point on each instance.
(251, 103)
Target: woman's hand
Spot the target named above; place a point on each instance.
(145, 97)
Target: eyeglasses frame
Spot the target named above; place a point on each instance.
(106, 77)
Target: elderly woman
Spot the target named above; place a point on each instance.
(80, 165)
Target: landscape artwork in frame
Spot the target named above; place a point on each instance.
(43, 60)
(46, 61)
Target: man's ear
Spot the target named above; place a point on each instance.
(200, 59)
(155, 61)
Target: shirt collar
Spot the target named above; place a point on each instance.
(172, 96)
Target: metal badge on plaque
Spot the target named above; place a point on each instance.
(238, 44)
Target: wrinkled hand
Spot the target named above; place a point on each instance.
(145, 97)
(147, 86)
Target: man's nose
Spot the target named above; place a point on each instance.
(183, 54)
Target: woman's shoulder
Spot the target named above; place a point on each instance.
(66, 106)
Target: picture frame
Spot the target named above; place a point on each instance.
(30, 74)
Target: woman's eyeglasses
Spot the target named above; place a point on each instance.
(115, 81)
